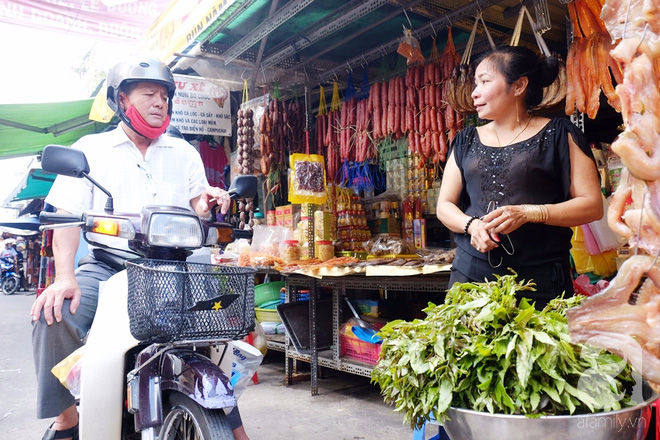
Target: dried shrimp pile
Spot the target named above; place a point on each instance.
(623, 318)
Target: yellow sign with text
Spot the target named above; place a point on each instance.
(178, 26)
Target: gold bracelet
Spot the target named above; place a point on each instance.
(536, 213)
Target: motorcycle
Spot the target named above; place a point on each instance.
(10, 278)
(158, 357)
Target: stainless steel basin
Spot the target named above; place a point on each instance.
(626, 424)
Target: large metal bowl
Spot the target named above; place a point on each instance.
(626, 424)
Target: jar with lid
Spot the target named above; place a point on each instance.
(258, 219)
(325, 250)
(292, 251)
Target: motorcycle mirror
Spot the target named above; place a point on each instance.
(73, 163)
(65, 161)
(243, 187)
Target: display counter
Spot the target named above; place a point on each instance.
(312, 353)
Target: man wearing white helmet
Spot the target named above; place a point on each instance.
(140, 165)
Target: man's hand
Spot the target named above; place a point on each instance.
(51, 300)
(209, 198)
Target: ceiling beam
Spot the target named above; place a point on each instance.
(424, 31)
(351, 37)
(269, 25)
(353, 13)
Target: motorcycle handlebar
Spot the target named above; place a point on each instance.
(56, 217)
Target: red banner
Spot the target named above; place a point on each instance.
(110, 20)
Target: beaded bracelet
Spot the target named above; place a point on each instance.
(469, 222)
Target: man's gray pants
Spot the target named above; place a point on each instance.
(52, 343)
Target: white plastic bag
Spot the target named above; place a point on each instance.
(246, 361)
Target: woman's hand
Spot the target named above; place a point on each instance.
(52, 299)
(480, 239)
(504, 220)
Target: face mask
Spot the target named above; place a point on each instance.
(141, 127)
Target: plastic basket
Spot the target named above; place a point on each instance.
(358, 349)
(267, 315)
(267, 292)
(174, 300)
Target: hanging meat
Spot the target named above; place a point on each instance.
(589, 65)
(625, 317)
(245, 155)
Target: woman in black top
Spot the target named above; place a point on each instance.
(513, 187)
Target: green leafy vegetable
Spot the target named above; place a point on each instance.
(485, 350)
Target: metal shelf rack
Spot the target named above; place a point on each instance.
(432, 283)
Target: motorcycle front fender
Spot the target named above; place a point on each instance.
(195, 376)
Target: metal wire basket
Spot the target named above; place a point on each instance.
(174, 300)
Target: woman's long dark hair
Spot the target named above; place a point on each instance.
(514, 62)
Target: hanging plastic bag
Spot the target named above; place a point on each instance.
(246, 360)
(605, 238)
(307, 179)
(409, 48)
(68, 371)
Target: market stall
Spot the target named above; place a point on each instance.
(348, 122)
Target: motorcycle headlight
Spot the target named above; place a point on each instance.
(174, 230)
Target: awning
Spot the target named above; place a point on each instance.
(34, 185)
(25, 129)
(21, 226)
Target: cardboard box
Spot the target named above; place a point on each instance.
(389, 226)
(287, 215)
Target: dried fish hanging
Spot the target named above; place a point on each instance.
(555, 92)
(461, 82)
(590, 66)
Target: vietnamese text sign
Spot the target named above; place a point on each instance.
(110, 20)
(201, 106)
(178, 26)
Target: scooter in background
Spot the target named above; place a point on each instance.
(10, 278)
(157, 361)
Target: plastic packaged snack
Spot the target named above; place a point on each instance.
(307, 179)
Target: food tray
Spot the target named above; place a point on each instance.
(295, 317)
(175, 300)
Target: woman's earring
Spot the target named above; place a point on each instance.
(517, 113)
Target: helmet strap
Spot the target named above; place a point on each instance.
(137, 123)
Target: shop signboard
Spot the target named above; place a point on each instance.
(179, 25)
(201, 106)
(110, 20)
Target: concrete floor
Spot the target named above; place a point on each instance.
(347, 406)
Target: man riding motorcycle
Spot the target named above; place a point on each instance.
(141, 165)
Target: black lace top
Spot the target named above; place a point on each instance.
(533, 171)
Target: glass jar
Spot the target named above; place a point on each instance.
(258, 219)
(292, 251)
(325, 250)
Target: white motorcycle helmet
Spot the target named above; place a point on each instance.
(137, 69)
